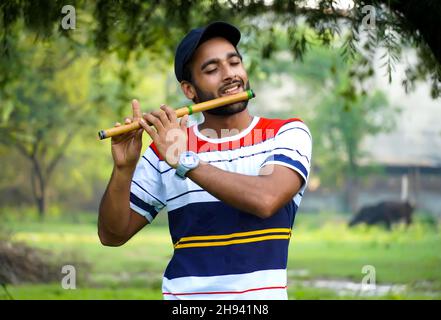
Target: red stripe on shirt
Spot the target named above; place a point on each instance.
(223, 292)
(155, 150)
(263, 130)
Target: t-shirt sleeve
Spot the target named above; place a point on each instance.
(147, 196)
(292, 148)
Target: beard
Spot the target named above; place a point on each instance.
(226, 110)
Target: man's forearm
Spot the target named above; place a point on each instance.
(115, 205)
(247, 193)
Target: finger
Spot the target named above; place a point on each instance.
(162, 116)
(136, 109)
(116, 139)
(119, 138)
(155, 121)
(144, 114)
(152, 133)
(170, 112)
(184, 122)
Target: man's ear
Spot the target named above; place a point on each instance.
(188, 89)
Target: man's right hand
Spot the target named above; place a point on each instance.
(126, 148)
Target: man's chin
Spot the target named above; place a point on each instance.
(229, 109)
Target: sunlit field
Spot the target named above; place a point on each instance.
(326, 260)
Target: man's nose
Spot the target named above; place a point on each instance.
(228, 73)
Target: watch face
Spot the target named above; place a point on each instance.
(189, 159)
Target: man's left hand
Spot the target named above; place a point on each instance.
(170, 137)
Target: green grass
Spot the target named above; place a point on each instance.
(55, 292)
(322, 247)
(398, 256)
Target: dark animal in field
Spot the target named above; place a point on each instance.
(386, 213)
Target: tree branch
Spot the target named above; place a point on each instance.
(59, 153)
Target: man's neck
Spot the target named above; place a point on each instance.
(226, 125)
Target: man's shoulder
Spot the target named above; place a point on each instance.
(276, 124)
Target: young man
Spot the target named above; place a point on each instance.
(231, 185)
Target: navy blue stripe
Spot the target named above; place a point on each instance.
(148, 192)
(285, 159)
(166, 170)
(234, 159)
(279, 133)
(151, 164)
(183, 194)
(232, 259)
(229, 160)
(216, 218)
(160, 172)
(250, 155)
(150, 147)
(302, 155)
(219, 218)
(294, 212)
(299, 165)
(143, 205)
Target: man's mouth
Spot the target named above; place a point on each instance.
(232, 89)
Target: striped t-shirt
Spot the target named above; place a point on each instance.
(221, 252)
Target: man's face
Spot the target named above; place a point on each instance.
(217, 71)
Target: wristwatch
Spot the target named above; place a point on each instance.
(188, 160)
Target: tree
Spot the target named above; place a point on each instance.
(338, 100)
(127, 30)
(130, 27)
(44, 110)
(56, 107)
(343, 113)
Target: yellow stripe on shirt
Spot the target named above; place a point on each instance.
(181, 244)
(227, 243)
(235, 235)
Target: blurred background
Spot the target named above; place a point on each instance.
(364, 76)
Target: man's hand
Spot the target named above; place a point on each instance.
(170, 137)
(117, 222)
(126, 148)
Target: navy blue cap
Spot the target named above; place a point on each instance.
(195, 37)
